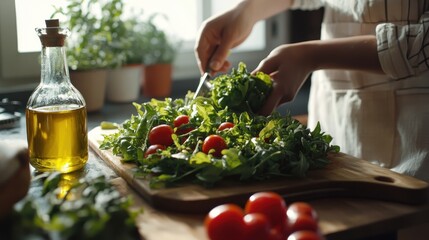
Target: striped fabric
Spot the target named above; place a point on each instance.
(401, 29)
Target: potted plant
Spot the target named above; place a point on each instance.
(123, 83)
(159, 53)
(94, 45)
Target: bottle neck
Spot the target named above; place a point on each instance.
(54, 67)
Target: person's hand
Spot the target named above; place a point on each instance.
(223, 32)
(289, 66)
(218, 35)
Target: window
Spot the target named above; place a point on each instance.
(19, 45)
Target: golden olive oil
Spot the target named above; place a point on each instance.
(57, 138)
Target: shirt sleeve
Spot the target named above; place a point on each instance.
(403, 50)
(306, 4)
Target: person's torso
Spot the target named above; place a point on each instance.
(373, 116)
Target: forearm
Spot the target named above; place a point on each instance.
(262, 9)
(352, 53)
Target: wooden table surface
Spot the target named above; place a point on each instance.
(340, 217)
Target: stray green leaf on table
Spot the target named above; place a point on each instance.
(108, 125)
(68, 208)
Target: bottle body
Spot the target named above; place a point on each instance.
(56, 116)
(57, 137)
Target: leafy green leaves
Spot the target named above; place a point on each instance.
(259, 147)
(72, 209)
(98, 34)
(157, 46)
(240, 90)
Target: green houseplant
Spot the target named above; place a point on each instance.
(123, 83)
(95, 45)
(159, 53)
(159, 47)
(97, 33)
(136, 40)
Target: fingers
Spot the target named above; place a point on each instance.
(267, 66)
(213, 45)
(271, 102)
(219, 55)
(282, 89)
(215, 64)
(212, 56)
(226, 66)
(276, 95)
(202, 52)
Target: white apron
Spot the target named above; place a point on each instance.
(379, 118)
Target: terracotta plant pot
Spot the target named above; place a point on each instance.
(92, 85)
(157, 80)
(123, 84)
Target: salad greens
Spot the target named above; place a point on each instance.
(67, 208)
(259, 147)
(241, 91)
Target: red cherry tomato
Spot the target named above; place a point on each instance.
(271, 205)
(161, 134)
(225, 222)
(257, 226)
(302, 222)
(215, 142)
(152, 149)
(276, 234)
(180, 120)
(299, 208)
(305, 235)
(225, 125)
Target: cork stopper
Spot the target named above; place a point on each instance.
(52, 35)
(52, 26)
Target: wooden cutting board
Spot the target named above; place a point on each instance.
(345, 176)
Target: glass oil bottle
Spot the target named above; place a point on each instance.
(56, 116)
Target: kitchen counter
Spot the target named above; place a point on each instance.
(347, 210)
(340, 217)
